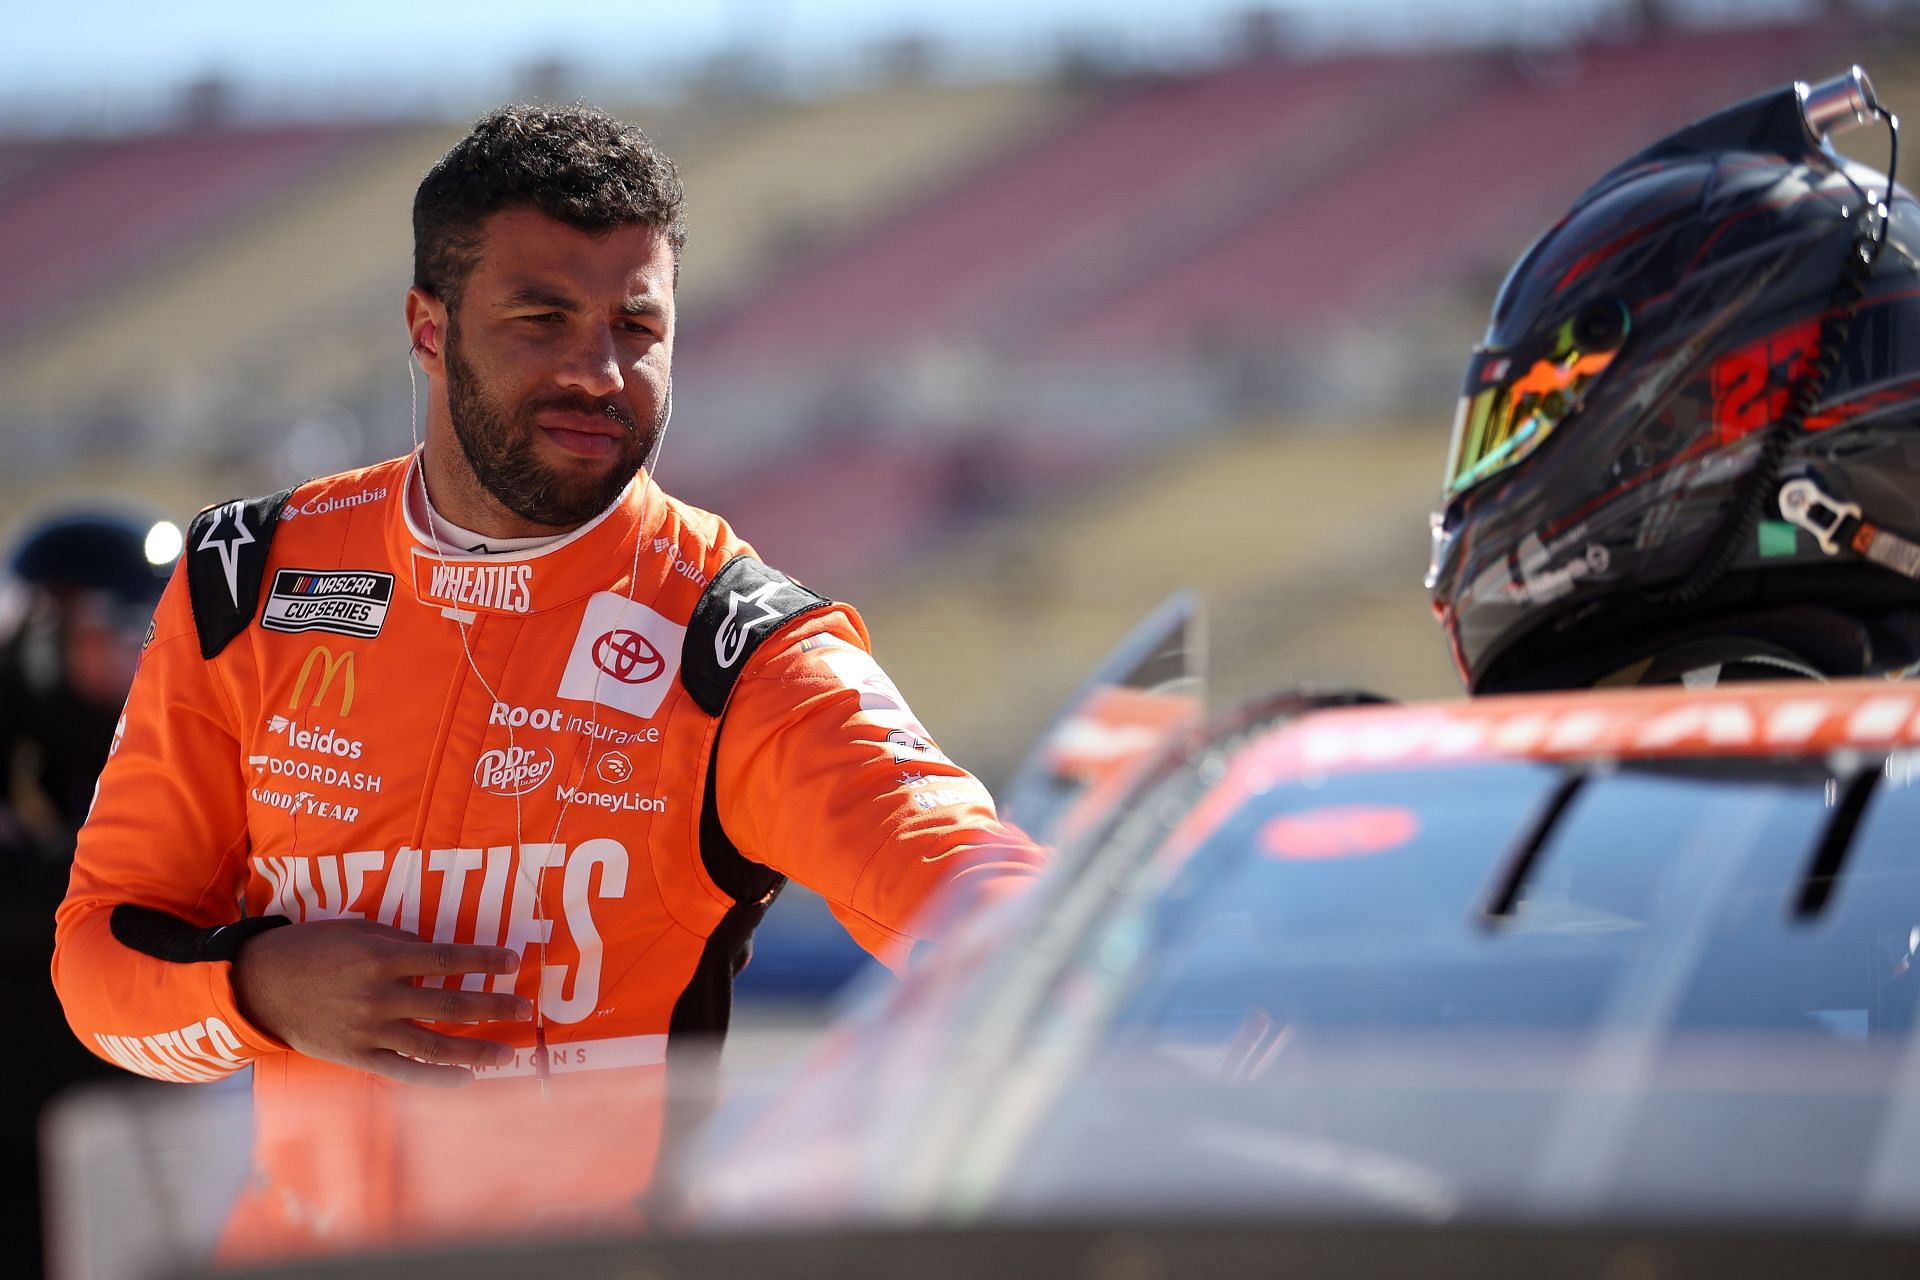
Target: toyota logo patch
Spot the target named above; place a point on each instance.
(628, 657)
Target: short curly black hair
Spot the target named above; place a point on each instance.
(576, 164)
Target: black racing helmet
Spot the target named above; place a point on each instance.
(1730, 317)
(101, 568)
(112, 552)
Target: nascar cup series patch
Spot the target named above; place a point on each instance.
(346, 602)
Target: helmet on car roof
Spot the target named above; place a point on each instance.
(1690, 439)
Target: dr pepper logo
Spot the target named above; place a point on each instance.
(512, 771)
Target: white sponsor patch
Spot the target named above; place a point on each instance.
(324, 742)
(512, 771)
(496, 588)
(348, 603)
(557, 720)
(681, 565)
(880, 701)
(613, 801)
(304, 802)
(625, 656)
(880, 698)
(614, 767)
(325, 775)
(328, 505)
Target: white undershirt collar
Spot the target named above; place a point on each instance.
(450, 538)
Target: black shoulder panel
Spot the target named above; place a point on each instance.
(744, 604)
(226, 559)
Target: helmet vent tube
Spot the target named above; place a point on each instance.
(1837, 105)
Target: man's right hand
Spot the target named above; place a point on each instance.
(344, 991)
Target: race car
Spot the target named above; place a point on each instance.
(1636, 961)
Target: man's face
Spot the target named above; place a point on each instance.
(559, 363)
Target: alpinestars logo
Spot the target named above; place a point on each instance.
(731, 641)
(229, 545)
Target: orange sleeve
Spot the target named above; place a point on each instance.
(167, 830)
(826, 776)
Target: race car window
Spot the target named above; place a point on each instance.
(1359, 901)
(1695, 1000)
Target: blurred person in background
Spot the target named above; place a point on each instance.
(423, 778)
(77, 598)
(1689, 446)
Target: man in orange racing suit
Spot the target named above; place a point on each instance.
(480, 765)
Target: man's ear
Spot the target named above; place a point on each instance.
(427, 325)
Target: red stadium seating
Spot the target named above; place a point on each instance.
(1262, 198)
(1464, 185)
(1006, 230)
(112, 207)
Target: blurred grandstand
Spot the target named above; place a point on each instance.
(1004, 361)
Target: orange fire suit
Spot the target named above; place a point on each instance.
(331, 719)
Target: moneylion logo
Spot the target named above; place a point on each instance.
(332, 666)
(512, 771)
(614, 767)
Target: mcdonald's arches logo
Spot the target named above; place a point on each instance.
(329, 666)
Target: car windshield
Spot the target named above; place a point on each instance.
(1677, 988)
(1366, 901)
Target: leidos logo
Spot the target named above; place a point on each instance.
(326, 742)
(512, 771)
(330, 666)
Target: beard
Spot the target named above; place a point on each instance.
(499, 447)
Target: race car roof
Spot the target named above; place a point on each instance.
(1793, 718)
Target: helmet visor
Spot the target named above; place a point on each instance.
(1512, 403)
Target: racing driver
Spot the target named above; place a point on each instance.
(479, 766)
